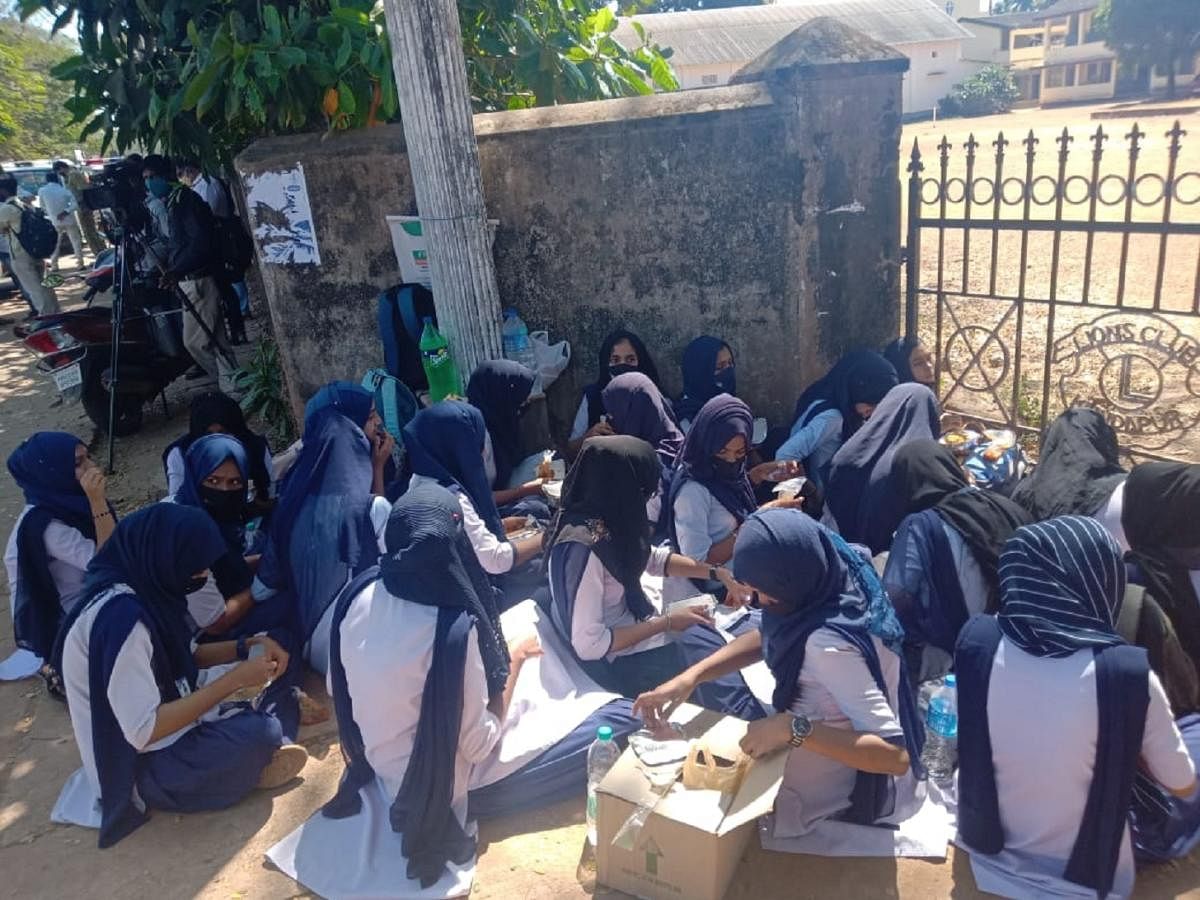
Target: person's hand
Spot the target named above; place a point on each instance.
(524, 649)
(600, 429)
(381, 451)
(531, 488)
(513, 524)
(271, 649)
(784, 503)
(766, 736)
(656, 706)
(778, 470)
(683, 619)
(94, 484)
(253, 673)
(737, 594)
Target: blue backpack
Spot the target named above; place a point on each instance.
(394, 402)
(402, 311)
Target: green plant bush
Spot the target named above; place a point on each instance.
(261, 384)
(990, 90)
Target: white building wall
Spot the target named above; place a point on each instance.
(935, 67)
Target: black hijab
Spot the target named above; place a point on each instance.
(860, 376)
(926, 475)
(1077, 470)
(214, 408)
(606, 373)
(604, 507)
(499, 388)
(638, 408)
(898, 353)
(1161, 518)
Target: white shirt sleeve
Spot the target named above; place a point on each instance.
(480, 730)
(132, 692)
(590, 637)
(68, 544)
(175, 471)
(580, 426)
(381, 511)
(657, 563)
(1163, 748)
(836, 664)
(496, 556)
(206, 605)
(692, 506)
(269, 462)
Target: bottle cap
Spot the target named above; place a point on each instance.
(510, 312)
(951, 681)
(604, 733)
(428, 320)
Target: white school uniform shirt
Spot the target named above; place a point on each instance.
(176, 472)
(1035, 703)
(700, 520)
(134, 698)
(494, 555)
(1109, 516)
(600, 607)
(580, 426)
(55, 200)
(803, 439)
(836, 689)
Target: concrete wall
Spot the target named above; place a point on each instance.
(766, 212)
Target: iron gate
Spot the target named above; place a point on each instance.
(1062, 277)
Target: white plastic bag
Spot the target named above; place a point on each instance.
(551, 359)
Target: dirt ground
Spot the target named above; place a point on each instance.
(220, 855)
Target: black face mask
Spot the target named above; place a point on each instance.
(726, 470)
(227, 507)
(622, 369)
(195, 583)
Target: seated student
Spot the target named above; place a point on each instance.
(1078, 468)
(605, 580)
(832, 409)
(500, 389)
(445, 446)
(215, 413)
(1056, 718)
(708, 370)
(637, 408)
(621, 352)
(427, 693)
(912, 361)
(329, 521)
(861, 500)
(944, 563)
(844, 709)
(65, 520)
(145, 708)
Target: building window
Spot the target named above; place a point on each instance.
(708, 79)
(1022, 41)
(1096, 73)
(1055, 77)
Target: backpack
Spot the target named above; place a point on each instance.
(232, 242)
(394, 402)
(38, 237)
(402, 311)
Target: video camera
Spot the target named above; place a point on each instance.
(119, 189)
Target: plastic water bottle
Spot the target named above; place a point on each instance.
(439, 367)
(514, 337)
(602, 756)
(941, 732)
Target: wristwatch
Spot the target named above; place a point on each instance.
(243, 651)
(801, 729)
(712, 573)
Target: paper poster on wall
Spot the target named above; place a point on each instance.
(412, 254)
(282, 217)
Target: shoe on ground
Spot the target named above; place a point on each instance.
(283, 767)
(195, 372)
(52, 280)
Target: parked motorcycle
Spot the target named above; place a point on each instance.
(75, 349)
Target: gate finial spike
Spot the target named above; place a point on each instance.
(1175, 134)
(914, 160)
(971, 145)
(1000, 143)
(1064, 141)
(1135, 139)
(1098, 140)
(1030, 143)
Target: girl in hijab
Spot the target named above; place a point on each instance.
(431, 702)
(834, 408)
(329, 521)
(606, 580)
(1078, 469)
(944, 563)
(861, 497)
(215, 413)
(912, 361)
(147, 710)
(445, 445)
(1056, 715)
(638, 409)
(65, 520)
(621, 352)
(844, 709)
(708, 370)
(500, 390)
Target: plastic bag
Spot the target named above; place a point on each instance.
(551, 359)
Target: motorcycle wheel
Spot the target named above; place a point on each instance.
(128, 412)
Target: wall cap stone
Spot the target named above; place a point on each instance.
(823, 48)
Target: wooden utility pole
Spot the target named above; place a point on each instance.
(435, 105)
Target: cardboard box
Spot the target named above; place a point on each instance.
(691, 845)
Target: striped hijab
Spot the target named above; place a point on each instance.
(1061, 586)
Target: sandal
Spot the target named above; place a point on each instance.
(54, 683)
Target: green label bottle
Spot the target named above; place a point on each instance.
(438, 364)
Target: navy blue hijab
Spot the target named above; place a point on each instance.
(445, 443)
(429, 561)
(155, 552)
(353, 401)
(719, 421)
(43, 467)
(203, 458)
(861, 493)
(214, 408)
(321, 530)
(821, 582)
(637, 408)
(860, 376)
(499, 388)
(701, 381)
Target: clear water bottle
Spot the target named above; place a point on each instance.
(439, 367)
(514, 337)
(602, 756)
(941, 732)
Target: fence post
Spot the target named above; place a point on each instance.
(912, 258)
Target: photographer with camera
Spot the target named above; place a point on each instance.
(192, 263)
(27, 268)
